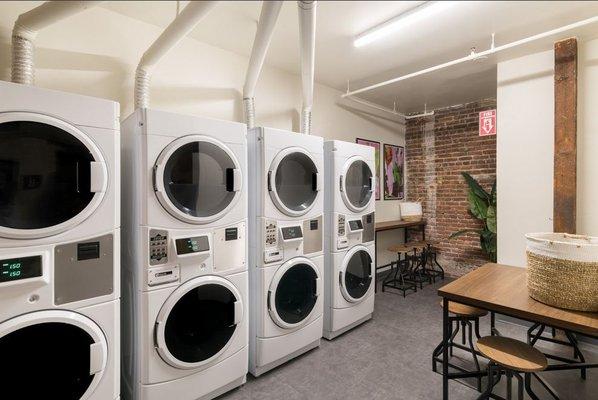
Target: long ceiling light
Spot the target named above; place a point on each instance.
(426, 10)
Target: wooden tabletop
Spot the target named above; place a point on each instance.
(503, 289)
(396, 224)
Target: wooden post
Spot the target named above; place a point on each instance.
(565, 135)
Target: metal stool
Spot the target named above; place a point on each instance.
(534, 336)
(396, 278)
(513, 358)
(432, 259)
(469, 319)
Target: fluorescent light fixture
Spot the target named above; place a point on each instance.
(426, 10)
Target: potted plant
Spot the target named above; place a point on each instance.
(482, 205)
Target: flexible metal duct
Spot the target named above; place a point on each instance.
(173, 34)
(26, 28)
(263, 36)
(307, 34)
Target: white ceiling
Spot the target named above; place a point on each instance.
(231, 26)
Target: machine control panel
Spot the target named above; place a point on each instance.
(271, 234)
(355, 226)
(292, 233)
(192, 245)
(158, 247)
(14, 269)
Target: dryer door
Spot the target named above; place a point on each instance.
(293, 293)
(52, 355)
(197, 179)
(197, 322)
(294, 181)
(355, 275)
(52, 176)
(357, 184)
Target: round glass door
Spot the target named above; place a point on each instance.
(51, 176)
(293, 182)
(356, 276)
(357, 186)
(197, 179)
(51, 360)
(197, 323)
(293, 294)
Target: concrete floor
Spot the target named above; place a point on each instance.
(389, 357)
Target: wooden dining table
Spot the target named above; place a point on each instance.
(502, 289)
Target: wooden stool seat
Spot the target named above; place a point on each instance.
(406, 247)
(465, 311)
(512, 354)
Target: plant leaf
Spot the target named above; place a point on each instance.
(491, 219)
(477, 206)
(464, 231)
(475, 187)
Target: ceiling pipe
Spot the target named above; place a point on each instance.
(476, 56)
(307, 34)
(25, 31)
(261, 43)
(187, 19)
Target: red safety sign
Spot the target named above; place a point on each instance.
(488, 123)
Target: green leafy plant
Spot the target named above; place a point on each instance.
(482, 205)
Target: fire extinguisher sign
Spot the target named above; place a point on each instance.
(488, 123)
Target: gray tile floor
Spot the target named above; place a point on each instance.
(389, 358)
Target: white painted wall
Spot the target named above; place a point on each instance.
(95, 53)
(525, 148)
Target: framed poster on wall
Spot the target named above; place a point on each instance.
(394, 172)
(376, 146)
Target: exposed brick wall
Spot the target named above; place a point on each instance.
(438, 149)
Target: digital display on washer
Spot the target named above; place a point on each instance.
(20, 268)
(355, 225)
(192, 245)
(291, 232)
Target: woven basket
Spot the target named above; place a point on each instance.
(563, 270)
(411, 211)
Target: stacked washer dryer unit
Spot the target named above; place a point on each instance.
(285, 239)
(185, 319)
(59, 244)
(349, 231)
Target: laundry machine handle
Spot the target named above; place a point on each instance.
(96, 358)
(371, 184)
(234, 178)
(340, 278)
(238, 313)
(99, 177)
(318, 281)
(316, 182)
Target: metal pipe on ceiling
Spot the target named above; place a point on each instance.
(474, 55)
(307, 34)
(182, 25)
(261, 43)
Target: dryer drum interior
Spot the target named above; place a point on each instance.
(295, 181)
(358, 274)
(200, 178)
(49, 360)
(358, 185)
(201, 323)
(45, 175)
(296, 293)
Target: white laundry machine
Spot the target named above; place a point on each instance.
(286, 242)
(349, 236)
(185, 313)
(59, 244)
